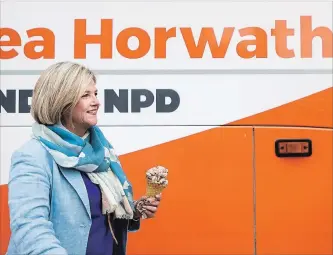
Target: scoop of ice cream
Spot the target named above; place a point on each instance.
(157, 175)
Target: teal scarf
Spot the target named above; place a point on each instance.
(96, 157)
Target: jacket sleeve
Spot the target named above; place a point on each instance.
(134, 225)
(29, 206)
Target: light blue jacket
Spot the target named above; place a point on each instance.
(49, 207)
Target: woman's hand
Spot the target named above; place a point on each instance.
(152, 206)
(147, 207)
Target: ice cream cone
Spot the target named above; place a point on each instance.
(153, 189)
(156, 178)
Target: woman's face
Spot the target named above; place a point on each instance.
(85, 112)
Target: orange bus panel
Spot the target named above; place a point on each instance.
(294, 195)
(208, 206)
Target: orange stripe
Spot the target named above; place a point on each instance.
(4, 219)
(315, 110)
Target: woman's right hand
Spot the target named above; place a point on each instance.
(147, 207)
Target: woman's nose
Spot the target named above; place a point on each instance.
(96, 101)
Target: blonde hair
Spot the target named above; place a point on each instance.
(58, 90)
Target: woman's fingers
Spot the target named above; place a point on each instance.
(158, 197)
(154, 203)
(151, 204)
(152, 209)
(150, 214)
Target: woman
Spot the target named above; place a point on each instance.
(68, 193)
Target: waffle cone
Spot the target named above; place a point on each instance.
(153, 189)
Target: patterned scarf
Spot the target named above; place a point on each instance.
(94, 156)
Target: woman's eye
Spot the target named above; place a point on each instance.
(85, 95)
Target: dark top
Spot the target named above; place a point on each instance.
(100, 241)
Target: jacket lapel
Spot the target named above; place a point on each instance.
(75, 179)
